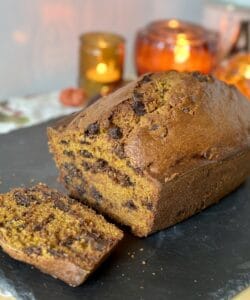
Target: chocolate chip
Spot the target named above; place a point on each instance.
(38, 227)
(63, 142)
(22, 199)
(115, 133)
(125, 181)
(69, 153)
(67, 179)
(68, 242)
(84, 142)
(86, 166)
(61, 205)
(73, 171)
(96, 194)
(92, 129)
(56, 253)
(202, 77)
(130, 205)
(100, 165)
(80, 190)
(139, 108)
(146, 78)
(33, 250)
(86, 153)
(137, 96)
(148, 205)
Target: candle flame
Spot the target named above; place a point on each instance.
(181, 49)
(247, 72)
(101, 68)
(173, 23)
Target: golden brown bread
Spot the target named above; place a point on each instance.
(156, 151)
(56, 234)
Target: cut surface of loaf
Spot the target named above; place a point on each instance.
(156, 151)
(56, 234)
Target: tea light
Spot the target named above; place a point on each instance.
(236, 70)
(177, 45)
(101, 62)
(104, 72)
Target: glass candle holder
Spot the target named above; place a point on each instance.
(236, 70)
(176, 45)
(101, 62)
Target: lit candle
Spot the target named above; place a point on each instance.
(101, 62)
(181, 49)
(104, 72)
(177, 45)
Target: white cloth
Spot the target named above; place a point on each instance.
(17, 112)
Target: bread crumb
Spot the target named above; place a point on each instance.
(141, 287)
(132, 256)
(141, 249)
(153, 273)
(143, 262)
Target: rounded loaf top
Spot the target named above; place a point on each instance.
(170, 122)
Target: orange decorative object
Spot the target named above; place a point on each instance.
(175, 45)
(236, 70)
(101, 62)
(72, 97)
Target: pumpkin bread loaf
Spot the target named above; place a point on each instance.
(56, 234)
(156, 151)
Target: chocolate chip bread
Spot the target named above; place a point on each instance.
(56, 234)
(157, 151)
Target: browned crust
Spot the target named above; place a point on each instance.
(194, 191)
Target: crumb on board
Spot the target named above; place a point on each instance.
(141, 249)
(153, 273)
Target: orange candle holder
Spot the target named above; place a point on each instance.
(101, 62)
(236, 70)
(175, 45)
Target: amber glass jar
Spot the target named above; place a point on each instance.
(177, 45)
(101, 62)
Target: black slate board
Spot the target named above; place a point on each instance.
(205, 257)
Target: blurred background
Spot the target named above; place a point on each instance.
(40, 39)
(40, 47)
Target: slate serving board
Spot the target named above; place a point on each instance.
(205, 257)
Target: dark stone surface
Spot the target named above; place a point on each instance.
(205, 257)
